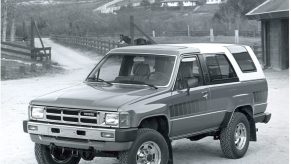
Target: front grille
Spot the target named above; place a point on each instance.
(74, 116)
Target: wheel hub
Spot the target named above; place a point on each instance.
(148, 152)
(240, 136)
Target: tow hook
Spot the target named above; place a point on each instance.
(75, 153)
(87, 155)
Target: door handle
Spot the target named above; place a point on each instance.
(205, 94)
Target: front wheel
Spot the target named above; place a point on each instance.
(45, 155)
(149, 147)
(234, 139)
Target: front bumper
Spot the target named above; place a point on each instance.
(262, 117)
(80, 137)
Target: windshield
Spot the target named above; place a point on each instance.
(134, 69)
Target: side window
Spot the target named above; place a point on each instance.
(219, 69)
(245, 62)
(242, 58)
(188, 70)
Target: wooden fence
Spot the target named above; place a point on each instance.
(192, 33)
(100, 46)
(16, 50)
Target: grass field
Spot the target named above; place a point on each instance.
(206, 39)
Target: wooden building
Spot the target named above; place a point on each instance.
(274, 17)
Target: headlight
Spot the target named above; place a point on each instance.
(37, 112)
(112, 119)
(118, 119)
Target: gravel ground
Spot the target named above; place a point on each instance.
(16, 147)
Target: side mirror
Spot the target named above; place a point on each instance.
(191, 83)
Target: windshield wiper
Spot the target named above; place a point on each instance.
(107, 82)
(99, 80)
(150, 85)
(144, 83)
(137, 82)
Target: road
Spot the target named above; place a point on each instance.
(16, 147)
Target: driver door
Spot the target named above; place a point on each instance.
(187, 108)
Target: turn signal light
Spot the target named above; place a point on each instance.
(32, 127)
(107, 135)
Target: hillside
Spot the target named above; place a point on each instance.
(209, 8)
(55, 2)
(77, 17)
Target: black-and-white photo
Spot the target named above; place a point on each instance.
(144, 82)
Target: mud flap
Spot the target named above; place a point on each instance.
(170, 150)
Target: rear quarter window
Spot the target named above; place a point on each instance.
(243, 59)
(219, 68)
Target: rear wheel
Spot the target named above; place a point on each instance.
(57, 155)
(149, 147)
(234, 139)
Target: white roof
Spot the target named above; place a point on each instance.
(207, 47)
(223, 48)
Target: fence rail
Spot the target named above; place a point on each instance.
(192, 33)
(16, 50)
(101, 46)
(15, 45)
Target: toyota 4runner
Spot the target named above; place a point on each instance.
(139, 98)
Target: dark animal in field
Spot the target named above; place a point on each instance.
(125, 39)
(138, 41)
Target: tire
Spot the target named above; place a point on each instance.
(145, 136)
(43, 156)
(231, 147)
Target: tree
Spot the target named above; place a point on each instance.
(233, 11)
(201, 2)
(156, 4)
(13, 29)
(145, 3)
(8, 15)
(4, 19)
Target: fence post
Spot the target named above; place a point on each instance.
(109, 45)
(21, 69)
(3, 72)
(236, 36)
(101, 47)
(154, 34)
(211, 35)
(33, 67)
(98, 46)
(131, 29)
(113, 44)
(188, 30)
(31, 34)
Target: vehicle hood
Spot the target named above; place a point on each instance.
(94, 96)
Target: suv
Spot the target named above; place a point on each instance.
(139, 98)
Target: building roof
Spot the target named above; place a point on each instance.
(270, 9)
